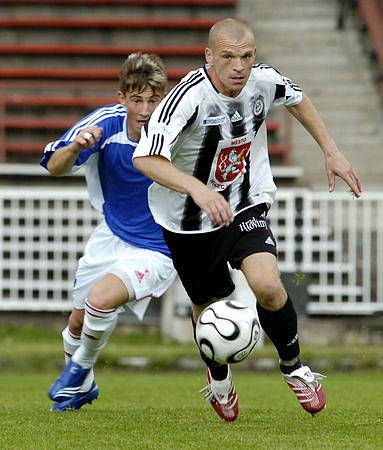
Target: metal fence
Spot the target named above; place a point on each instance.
(332, 244)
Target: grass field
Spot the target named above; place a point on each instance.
(161, 408)
(141, 410)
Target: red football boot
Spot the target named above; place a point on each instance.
(306, 386)
(222, 396)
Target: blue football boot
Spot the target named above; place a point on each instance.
(75, 403)
(69, 383)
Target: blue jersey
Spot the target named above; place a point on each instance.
(115, 187)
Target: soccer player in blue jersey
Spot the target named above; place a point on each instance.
(126, 261)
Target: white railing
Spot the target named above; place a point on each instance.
(331, 241)
(343, 252)
(42, 235)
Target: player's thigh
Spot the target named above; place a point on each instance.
(101, 252)
(109, 292)
(262, 273)
(146, 273)
(205, 282)
(202, 269)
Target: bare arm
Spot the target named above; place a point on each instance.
(61, 162)
(165, 173)
(335, 162)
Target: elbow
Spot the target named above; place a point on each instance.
(55, 170)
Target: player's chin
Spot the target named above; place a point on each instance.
(237, 84)
(138, 126)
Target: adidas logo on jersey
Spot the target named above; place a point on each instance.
(236, 117)
(269, 241)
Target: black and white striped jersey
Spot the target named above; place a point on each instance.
(215, 137)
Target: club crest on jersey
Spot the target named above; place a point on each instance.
(211, 121)
(229, 162)
(258, 106)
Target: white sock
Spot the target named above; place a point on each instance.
(71, 343)
(96, 331)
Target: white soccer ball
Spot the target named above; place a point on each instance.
(227, 331)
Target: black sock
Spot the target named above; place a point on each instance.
(217, 371)
(288, 369)
(282, 328)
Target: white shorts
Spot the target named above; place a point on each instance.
(150, 273)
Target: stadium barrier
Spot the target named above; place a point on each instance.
(330, 244)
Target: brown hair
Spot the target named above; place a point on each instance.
(142, 70)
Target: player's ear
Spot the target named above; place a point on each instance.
(121, 97)
(208, 55)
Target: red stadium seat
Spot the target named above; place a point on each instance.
(64, 49)
(209, 3)
(84, 23)
(71, 74)
(34, 110)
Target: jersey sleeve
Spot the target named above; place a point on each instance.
(97, 117)
(168, 120)
(286, 92)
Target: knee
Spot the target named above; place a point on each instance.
(99, 298)
(271, 296)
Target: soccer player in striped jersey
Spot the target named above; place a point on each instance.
(126, 260)
(205, 147)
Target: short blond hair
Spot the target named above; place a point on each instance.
(142, 70)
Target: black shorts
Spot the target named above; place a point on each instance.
(201, 259)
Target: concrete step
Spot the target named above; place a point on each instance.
(343, 105)
(343, 90)
(336, 61)
(320, 77)
(314, 37)
(285, 25)
(303, 11)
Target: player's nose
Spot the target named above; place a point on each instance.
(238, 64)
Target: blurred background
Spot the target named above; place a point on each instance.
(60, 59)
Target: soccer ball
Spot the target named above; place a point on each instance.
(227, 331)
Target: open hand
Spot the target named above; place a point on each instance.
(338, 165)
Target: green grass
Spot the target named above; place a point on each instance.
(160, 409)
(26, 347)
(163, 410)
